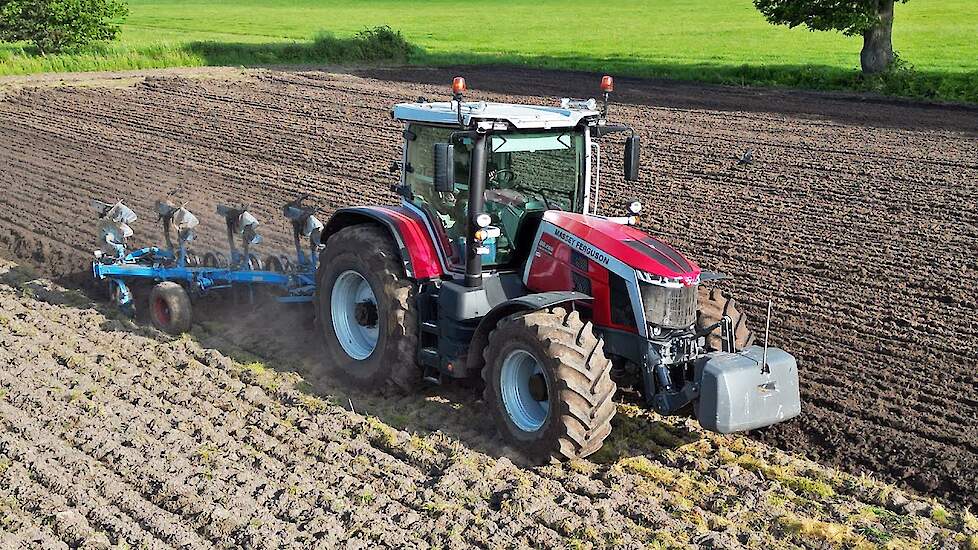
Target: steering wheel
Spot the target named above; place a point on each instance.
(533, 192)
(503, 177)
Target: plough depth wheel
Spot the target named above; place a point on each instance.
(169, 308)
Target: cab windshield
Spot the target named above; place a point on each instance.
(525, 173)
(541, 170)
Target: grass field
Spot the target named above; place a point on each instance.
(724, 41)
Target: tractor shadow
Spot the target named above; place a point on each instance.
(283, 338)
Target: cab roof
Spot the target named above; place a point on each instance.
(519, 116)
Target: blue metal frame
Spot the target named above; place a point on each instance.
(152, 263)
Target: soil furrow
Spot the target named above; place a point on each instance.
(858, 217)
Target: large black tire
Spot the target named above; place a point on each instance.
(578, 383)
(369, 251)
(169, 308)
(713, 305)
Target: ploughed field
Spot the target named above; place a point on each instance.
(858, 217)
(115, 435)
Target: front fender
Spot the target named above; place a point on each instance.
(530, 302)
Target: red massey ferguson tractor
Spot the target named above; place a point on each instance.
(497, 265)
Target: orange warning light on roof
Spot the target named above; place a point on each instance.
(458, 85)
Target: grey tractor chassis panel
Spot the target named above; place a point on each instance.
(468, 315)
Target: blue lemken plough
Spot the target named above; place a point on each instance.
(180, 274)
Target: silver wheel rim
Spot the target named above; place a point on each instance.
(350, 292)
(519, 370)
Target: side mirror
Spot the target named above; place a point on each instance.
(444, 167)
(632, 154)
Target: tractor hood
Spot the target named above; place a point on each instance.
(595, 236)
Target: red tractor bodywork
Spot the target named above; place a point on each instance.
(410, 232)
(580, 253)
(571, 252)
(631, 246)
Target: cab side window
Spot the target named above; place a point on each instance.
(447, 210)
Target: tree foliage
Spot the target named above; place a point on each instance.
(851, 17)
(872, 19)
(56, 25)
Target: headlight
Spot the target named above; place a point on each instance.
(669, 304)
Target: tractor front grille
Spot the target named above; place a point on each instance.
(669, 306)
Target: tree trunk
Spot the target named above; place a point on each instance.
(877, 51)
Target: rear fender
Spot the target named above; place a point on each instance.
(417, 251)
(530, 302)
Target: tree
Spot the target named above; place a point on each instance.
(873, 19)
(55, 25)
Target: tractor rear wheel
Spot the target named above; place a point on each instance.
(169, 308)
(366, 311)
(548, 384)
(713, 305)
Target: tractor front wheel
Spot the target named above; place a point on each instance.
(713, 306)
(366, 311)
(548, 384)
(169, 308)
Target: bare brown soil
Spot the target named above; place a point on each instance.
(115, 435)
(858, 218)
(114, 79)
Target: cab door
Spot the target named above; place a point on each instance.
(445, 212)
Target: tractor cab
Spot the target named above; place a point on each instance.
(531, 159)
(526, 174)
